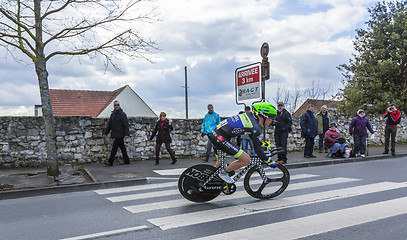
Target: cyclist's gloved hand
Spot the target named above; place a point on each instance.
(271, 163)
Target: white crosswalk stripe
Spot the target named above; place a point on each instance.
(320, 223)
(163, 193)
(164, 202)
(181, 202)
(187, 219)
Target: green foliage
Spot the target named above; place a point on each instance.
(376, 75)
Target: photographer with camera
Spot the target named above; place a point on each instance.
(393, 116)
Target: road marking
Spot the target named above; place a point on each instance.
(240, 194)
(136, 188)
(188, 219)
(108, 233)
(170, 172)
(138, 196)
(320, 223)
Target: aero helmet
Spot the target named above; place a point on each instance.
(264, 109)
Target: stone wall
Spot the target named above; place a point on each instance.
(80, 140)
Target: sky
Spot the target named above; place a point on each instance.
(308, 40)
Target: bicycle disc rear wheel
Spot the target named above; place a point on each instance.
(192, 179)
(276, 181)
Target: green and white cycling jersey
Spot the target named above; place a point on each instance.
(247, 122)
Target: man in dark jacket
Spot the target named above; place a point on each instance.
(118, 125)
(283, 124)
(309, 130)
(393, 116)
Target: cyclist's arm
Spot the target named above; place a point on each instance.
(257, 147)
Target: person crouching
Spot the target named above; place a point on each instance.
(336, 148)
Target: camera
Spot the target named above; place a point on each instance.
(391, 108)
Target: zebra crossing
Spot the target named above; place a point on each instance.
(164, 208)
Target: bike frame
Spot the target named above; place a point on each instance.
(254, 161)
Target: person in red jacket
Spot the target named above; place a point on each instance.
(330, 141)
(393, 116)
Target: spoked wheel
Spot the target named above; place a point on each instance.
(276, 182)
(192, 179)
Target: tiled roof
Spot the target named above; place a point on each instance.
(331, 104)
(81, 102)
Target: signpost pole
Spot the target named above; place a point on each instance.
(265, 75)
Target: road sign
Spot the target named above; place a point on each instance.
(248, 82)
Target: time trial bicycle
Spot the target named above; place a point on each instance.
(201, 183)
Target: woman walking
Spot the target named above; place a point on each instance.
(162, 133)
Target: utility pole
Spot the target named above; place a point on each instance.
(186, 94)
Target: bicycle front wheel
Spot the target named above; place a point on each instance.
(263, 182)
(191, 180)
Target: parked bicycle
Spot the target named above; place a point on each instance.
(200, 183)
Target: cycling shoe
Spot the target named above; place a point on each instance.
(225, 176)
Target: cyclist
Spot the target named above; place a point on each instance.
(246, 123)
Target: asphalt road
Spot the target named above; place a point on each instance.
(364, 200)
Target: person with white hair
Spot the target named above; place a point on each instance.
(324, 118)
(357, 128)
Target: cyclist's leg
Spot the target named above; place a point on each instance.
(242, 158)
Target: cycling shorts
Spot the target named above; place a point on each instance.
(223, 143)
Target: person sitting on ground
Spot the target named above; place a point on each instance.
(337, 148)
(249, 122)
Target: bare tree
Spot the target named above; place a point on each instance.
(43, 29)
(315, 91)
(295, 98)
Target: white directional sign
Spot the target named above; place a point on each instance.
(248, 82)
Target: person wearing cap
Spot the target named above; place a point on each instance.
(393, 116)
(357, 128)
(309, 130)
(334, 146)
(283, 124)
(324, 118)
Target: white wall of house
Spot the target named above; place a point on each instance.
(131, 104)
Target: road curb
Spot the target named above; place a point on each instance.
(96, 185)
(32, 192)
(341, 160)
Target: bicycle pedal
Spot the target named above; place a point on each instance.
(229, 188)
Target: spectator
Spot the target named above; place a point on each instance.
(357, 128)
(336, 147)
(309, 130)
(209, 123)
(118, 125)
(393, 116)
(163, 128)
(246, 141)
(324, 119)
(283, 124)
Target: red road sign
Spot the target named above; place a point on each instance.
(248, 82)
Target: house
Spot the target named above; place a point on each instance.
(331, 104)
(97, 103)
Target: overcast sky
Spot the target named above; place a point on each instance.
(308, 39)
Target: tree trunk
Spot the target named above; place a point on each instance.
(49, 121)
(42, 74)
